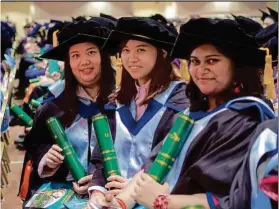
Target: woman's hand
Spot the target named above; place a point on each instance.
(27, 130)
(147, 189)
(115, 186)
(98, 199)
(54, 158)
(82, 186)
(125, 194)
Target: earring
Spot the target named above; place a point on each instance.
(237, 87)
(204, 98)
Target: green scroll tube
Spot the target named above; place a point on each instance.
(34, 80)
(171, 148)
(104, 138)
(34, 103)
(69, 153)
(22, 115)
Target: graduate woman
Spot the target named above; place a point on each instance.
(150, 95)
(89, 80)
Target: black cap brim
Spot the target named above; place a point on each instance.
(115, 38)
(59, 52)
(267, 33)
(186, 43)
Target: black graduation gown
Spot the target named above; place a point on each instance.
(216, 153)
(239, 196)
(40, 140)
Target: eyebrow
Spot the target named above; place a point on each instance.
(86, 50)
(208, 56)
(73, 52)
(141, 45)
(93, 47)
(213, 55)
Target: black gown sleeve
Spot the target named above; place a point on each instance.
(239, 196)
(39, 140)
(216, 154)
(37, 143)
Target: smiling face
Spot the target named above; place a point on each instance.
(210, 70)
(139, 59)
(85, 62)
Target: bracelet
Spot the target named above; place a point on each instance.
(161, 201)
(121, 203)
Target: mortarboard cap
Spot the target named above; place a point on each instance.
(249, 26)
(220, 32)
(142, 29)
(74, 33)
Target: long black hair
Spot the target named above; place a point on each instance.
(161, 76)
(68, 99)
(246, 77)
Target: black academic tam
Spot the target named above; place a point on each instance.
(220, 32)
(142, 29)
(94, 31)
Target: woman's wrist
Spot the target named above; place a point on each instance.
(96, 189)
(121, 203)
(161, 201)
(127, 199)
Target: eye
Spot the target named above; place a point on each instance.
(194, 62)
(75, 56)
(125, 50)
(92, 52)
(212, 61)
(141, 50)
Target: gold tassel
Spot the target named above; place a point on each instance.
(54, 38)
(117, 65)
(268, 76)
(184, 70)
(270, 91)
(41, 30)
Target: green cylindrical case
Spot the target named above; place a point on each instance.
(34, 80)
(104, 138)
(22, 115)
(171, 148)
(69, 153)
(34, 103)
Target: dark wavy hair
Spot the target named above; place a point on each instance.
(68, 100)
(246, 76)
(161, 76)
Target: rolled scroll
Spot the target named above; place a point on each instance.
(34, 103)
(22, 115)
(104, 138)
(71, 158)
(171, 148)
(34, 80)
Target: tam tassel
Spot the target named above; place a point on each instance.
(117, 65)
(268, 76)
(54, 38)
(184, 70)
